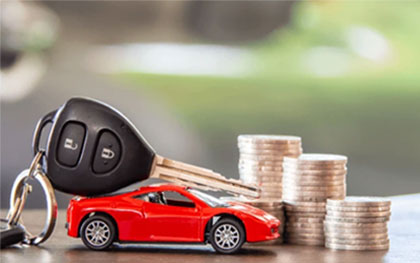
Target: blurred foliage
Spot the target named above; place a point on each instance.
(373, 104)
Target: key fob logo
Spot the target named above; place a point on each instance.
(69, 144)
(107, 153)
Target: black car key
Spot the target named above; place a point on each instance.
(10, 234)
(93, 149)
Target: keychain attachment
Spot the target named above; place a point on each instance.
(18, 196)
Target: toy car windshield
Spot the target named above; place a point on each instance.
(208, 199)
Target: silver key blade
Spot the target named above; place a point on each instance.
(197, 177)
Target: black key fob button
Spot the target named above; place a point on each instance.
(70, 144)
(107, 153)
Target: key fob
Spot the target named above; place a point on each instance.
(10, 235)
(92, 149)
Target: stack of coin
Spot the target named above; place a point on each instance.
(308, 181)
(357, 223)
(273, 207)
(261, 161)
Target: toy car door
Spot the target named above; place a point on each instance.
(172, 217)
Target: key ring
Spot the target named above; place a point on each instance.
(18, 195)
(16, 209)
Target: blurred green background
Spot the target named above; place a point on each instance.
(370, 112)
(343, 75)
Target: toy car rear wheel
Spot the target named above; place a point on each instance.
(98, 232)
(227, 236)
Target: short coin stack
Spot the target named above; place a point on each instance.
(357, 223)
(261, 161)
(308, 181)
(273, 207)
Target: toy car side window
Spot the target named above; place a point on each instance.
(174, 198)
(152, 197)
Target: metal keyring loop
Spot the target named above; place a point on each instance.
(35, 163)
(48, 190)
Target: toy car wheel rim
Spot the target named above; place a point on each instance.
(97, 233)
(227, 236)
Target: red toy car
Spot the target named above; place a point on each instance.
(168, 213)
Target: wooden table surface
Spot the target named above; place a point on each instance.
(404, 232)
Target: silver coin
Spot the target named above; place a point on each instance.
(304, 209)
(305, 219)
(257, 149)
(354, 230)
(293, 177)
(270, 190)
(314, 168)
(280, 151)
(320, 157)
(253, 151)
(360, 201)
(296, 192)
(316, 172)
(305, 225)
(357, 219)
(287, 182)
(259, 154)
(317, 196)
(272, 196)
(355, 225)
(305, 216)
(310, 204)
(261, 157)
(261, 174)
(269, 166)
(246, 167)
(357, 242)
(329, 188)
(359, 208)
(358, 214)
(262, 179)
(296, 187)
(255, 202)
(307, 198)
(356, 247)
(303, 235)
(267, 138)
(304, 231)
(272, 184)
(260, 162)
(327, 182)
(314, 176)
(324, 178)
(356, 236)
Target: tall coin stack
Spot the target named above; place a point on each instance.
(308, 181)
(357, 223)
(261, 163)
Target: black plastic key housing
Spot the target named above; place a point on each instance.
(93, 149)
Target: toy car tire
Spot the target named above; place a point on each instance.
(98, 232)
(227, 236)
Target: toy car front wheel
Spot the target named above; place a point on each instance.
(227, 236)
(98, 232)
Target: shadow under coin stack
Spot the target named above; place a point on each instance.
(261, 163)
(357, 223)
(308, 181)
